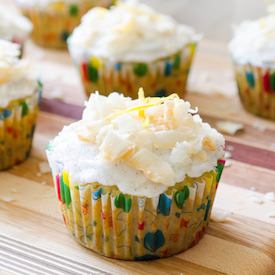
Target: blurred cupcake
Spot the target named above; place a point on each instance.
(19, 95)
(54, 20)
(136, 179)
(14, 27)
(253, 52)
(132, 46)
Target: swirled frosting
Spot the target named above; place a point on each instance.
(129, 31)
(254, 41)
(142, 146)
(16, 80)
(13, 26)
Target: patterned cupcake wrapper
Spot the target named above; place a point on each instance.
(158, 78)
(256, 87)
(17, 124)
(127, 227)
(51, 27)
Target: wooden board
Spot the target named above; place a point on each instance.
(34, 240)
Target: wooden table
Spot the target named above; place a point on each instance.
(33, 238)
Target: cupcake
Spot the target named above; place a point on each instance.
(136, 179)
(14, 27)
(131, 46)
(19, 95)
(54, 20)
(252, 50)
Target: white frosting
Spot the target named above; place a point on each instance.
(13, 26)
(142, 146)
(254, 41)
(16, 80)
(129, 31)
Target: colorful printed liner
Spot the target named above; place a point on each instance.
(17, 125)
(52, 26)
(126, 227)
(257, 89)
(159, 78)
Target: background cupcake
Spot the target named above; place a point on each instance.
(54, 20)
(14, 27)
(132, 46)
(19, 95)
(136, 179)
(252, 49)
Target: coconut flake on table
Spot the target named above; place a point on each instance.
(261, 198)
(229, 127)
(219, 215)
(259, 126)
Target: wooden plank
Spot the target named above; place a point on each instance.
(249, 176)
(33, 210)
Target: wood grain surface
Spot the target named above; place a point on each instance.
(33, 239)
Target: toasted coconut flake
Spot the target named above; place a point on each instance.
(115, 147)
(152, 166)
(209, 144)
(167, 139)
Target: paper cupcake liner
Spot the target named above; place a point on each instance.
(122, 226)
(158, 78)
(256, 87)
(53, 25)
(17, 125)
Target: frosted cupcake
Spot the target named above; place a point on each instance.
(54, 20)
(132, 46)
(14, 27)
(136, 179)
(252, 49)
(19, 95)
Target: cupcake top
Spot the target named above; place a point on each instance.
(142, 146)
(254, 41)
(16, 80)
(13, 26)
(129, 31)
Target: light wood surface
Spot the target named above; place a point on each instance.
(34, 240)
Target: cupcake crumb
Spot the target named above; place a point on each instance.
(229, 127)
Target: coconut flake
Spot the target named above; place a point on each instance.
(219, 215)
(229, 127)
